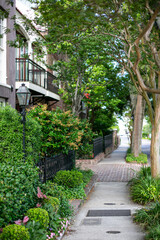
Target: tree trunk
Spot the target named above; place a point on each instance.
(137, 126)
(154, 153)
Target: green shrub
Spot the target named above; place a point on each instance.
(143, 187)
(148, 216)
(87, 175)
(149, 219)
(142, 158)
(61, 131)
(11, 135)
(54, 202)
(65, 209)
(35, 231)
(153, 233)
(15, 232)
(18, 184)
(144, 172)
(145, 190)
(69, 179)
(39, 215)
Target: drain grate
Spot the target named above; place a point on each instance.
(113, 232)
(109, 213)
(91, 221)
(109, 204)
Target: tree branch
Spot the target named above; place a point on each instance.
(149, 25)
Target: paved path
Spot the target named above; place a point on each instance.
(110, 193)
(114, 168)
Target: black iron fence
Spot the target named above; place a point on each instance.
(108, 140)
(48, 166)
(101, 143)
(97, 146)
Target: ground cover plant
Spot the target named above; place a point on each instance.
(149, 219)
(142, 158)
(144, 188)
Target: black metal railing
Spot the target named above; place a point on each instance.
(108, 141)
(48, 166)
(101, 143)
(97, 146)
(29, 71)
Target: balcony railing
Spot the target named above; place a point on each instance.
(29, 71)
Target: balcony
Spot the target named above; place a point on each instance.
(36, 78)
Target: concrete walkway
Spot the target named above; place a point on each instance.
(110, 193)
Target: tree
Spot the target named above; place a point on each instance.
(128, 23)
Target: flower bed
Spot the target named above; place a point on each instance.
(52, 213)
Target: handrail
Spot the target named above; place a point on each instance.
(29, 71)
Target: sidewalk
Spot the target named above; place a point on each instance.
(107, 212)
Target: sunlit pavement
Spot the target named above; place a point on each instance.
(110, 193)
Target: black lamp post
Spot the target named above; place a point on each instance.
(23, 95)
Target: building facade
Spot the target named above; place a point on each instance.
(7, 54)
(19, 65)
(28, 69)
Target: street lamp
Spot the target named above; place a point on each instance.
(23, 95)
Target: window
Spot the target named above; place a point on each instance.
(3, 67)
(2, 102)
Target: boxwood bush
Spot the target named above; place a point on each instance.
(39, 215)
(15, 232)
(68, 178)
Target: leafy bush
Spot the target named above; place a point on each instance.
(39, 215)
(18, 183)
(142, 158)
(65, 209)
(11, 135)
(148, 216)
(144, 188)
(15, 232)
(53, 201)
(87, 175)
(61, 131)
(153, 233)
(69, 179)
(35, 231)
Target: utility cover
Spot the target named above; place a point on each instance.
(91, 221)
(109, 213)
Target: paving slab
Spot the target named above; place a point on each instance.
(111, 192)
(110, 227)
